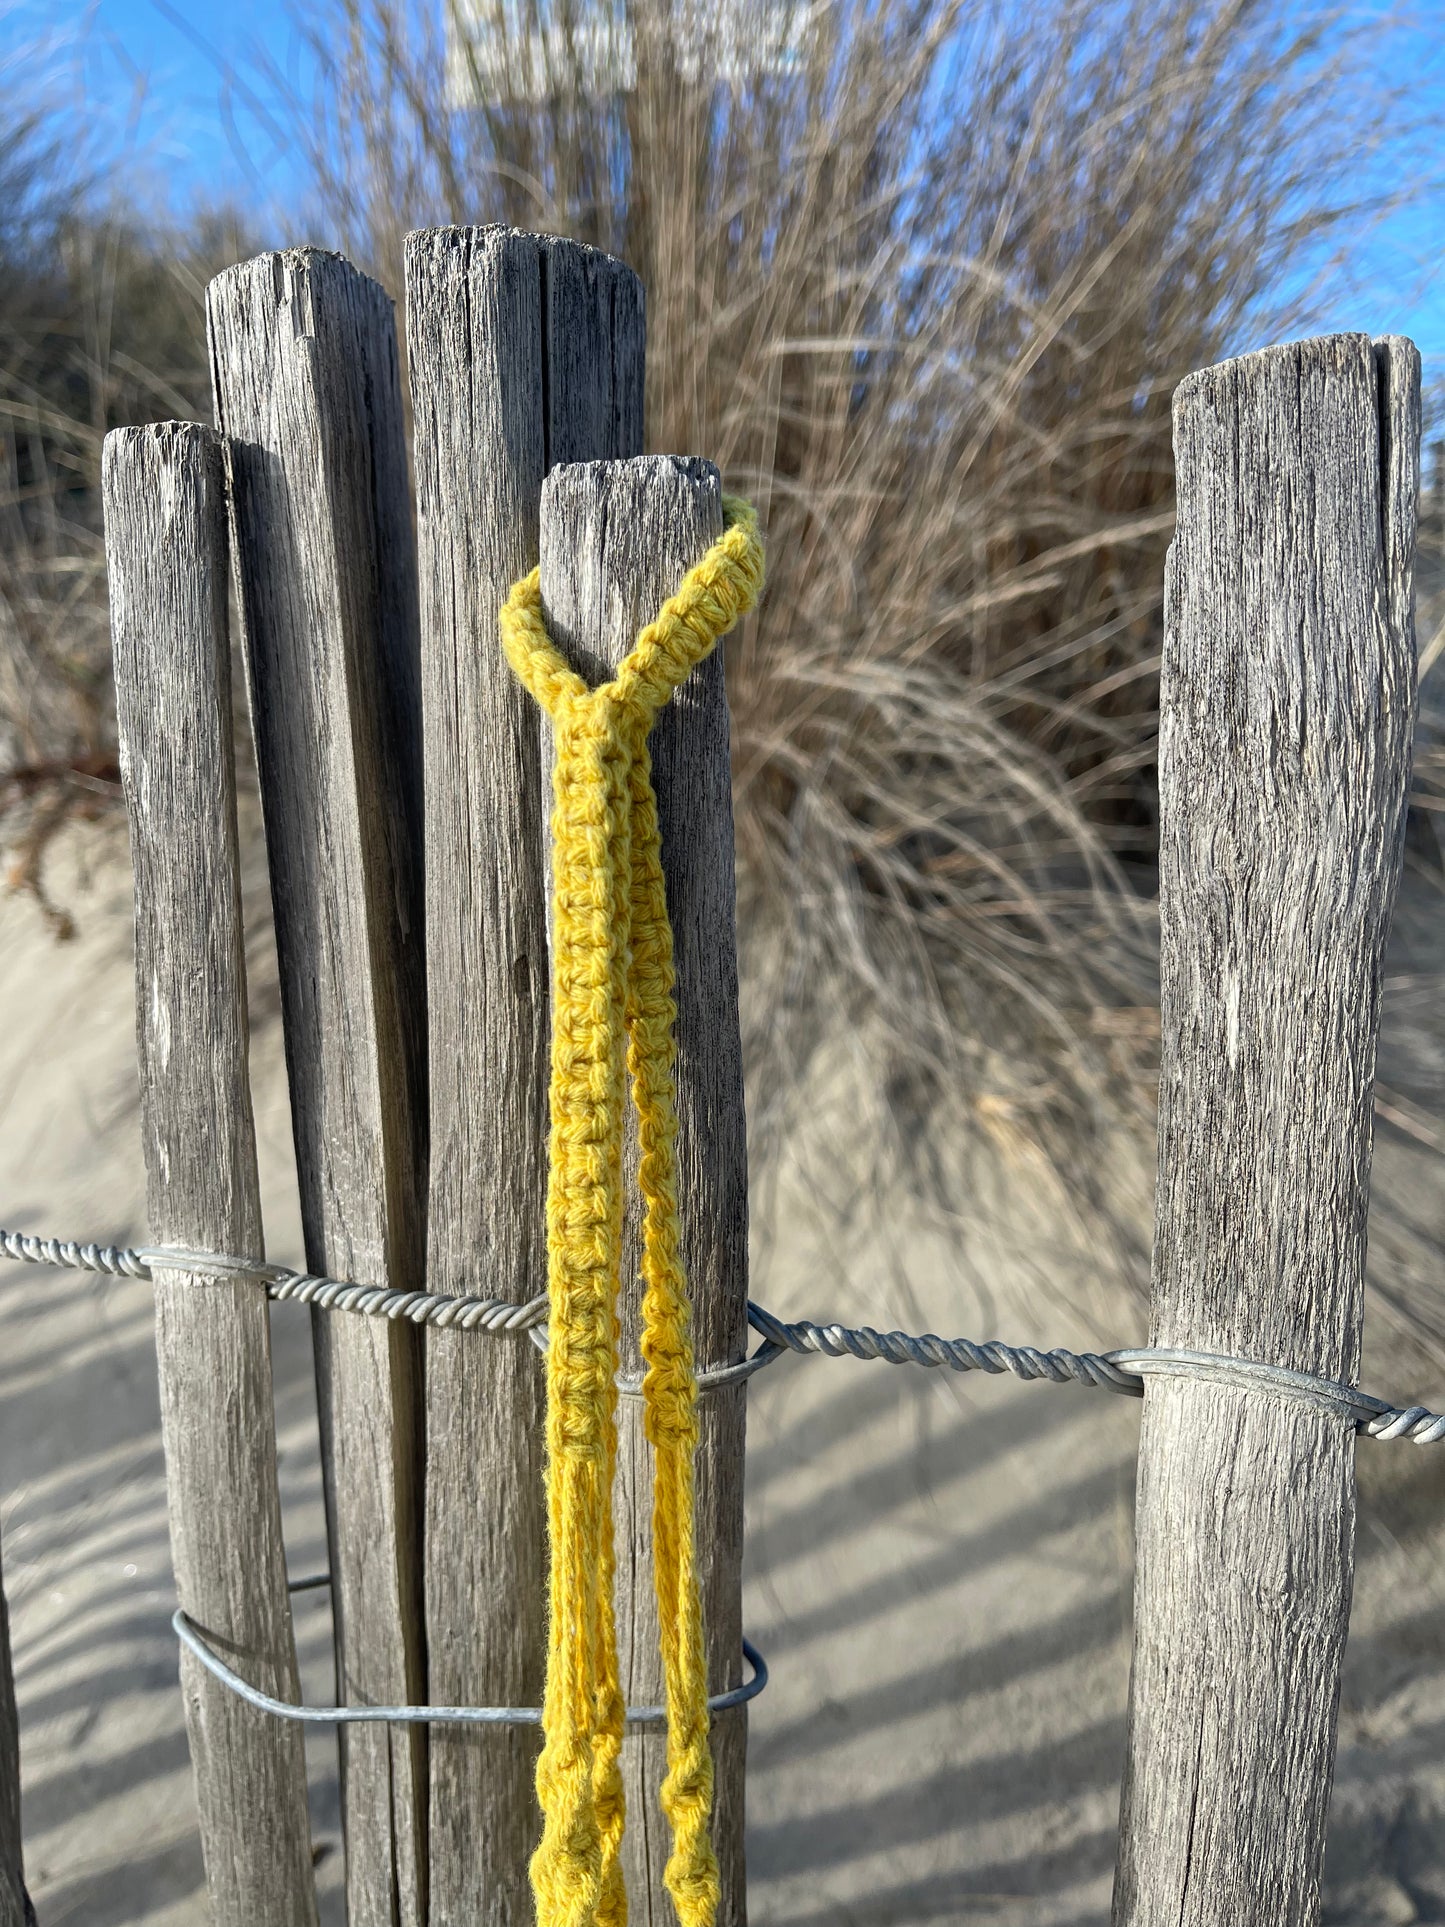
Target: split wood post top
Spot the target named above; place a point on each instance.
(617, 539)
(523, 351)
(307, 385)
(1286, 710)
(165, 525)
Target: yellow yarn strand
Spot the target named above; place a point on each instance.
(613, 1014)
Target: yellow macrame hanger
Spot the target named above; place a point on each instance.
(613, 1011)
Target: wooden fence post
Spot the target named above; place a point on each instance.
(1287, 705)
(523, 351)
(165, 522)
(304, 362)
(15, 1908)
(617, 538)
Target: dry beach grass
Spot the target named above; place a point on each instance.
(924, 291)
(925, 296)
(922, 282)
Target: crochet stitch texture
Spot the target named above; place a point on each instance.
(613, 1011)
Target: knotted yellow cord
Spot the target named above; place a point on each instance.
(612, 991)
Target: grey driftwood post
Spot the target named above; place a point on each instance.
(304, 361)
(617, 539)
(1287, 703)
(523, 351)
(165, 523)
(15, 1908)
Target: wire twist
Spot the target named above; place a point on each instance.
(114, 1260)
(1122, 1371)
(1058, 1367)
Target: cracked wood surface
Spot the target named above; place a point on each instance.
(165, 524)
(1287, 705)
(306, 378)
(524, 351)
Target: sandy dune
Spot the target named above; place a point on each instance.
(938, 1568)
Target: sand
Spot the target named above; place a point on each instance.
(938, 1568)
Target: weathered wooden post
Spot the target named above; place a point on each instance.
(617, 539)
(523, 351)
(1287, 704)
(304, 361)
(15, 1908)
(165, 521)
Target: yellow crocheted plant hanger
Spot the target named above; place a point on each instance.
(613, 1010)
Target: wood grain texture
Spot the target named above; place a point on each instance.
(304, 364)
(1287, 707)
(15, 1907)
(523, 351)
(165, 519)
(617, 539)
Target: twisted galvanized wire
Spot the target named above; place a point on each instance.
(1118, 1371)
(413, 1307)
(1375, 1417)
(192, 1638)
(1058, 1367)
(114, 1260)
(281, 1283)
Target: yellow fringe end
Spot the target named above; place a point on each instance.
(613, 1010)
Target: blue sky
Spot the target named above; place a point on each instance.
(148, 77)
(151, 77)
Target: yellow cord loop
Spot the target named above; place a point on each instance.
(613, 1011)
